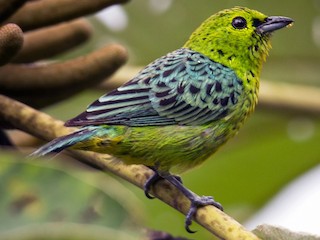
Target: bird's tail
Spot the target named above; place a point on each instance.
(61, 143)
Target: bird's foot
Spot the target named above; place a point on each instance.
(197, 202)
(152, 180)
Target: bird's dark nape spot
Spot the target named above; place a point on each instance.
(194, 89)
(218, 87)
(221, 53)
(224, 101)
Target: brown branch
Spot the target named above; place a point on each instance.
(45, 127)
(291, 97)
(41, 85)
(47, 12)
(11, 40)
(51, 41)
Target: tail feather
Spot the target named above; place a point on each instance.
(61, 143)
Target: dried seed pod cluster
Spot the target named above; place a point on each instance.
(39, 29)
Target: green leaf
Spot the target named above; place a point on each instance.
(41, 196)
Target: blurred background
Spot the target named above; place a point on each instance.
(275, 147)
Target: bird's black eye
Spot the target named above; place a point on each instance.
(239, 23)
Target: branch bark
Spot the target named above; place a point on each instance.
(45, 127)
(291, 97)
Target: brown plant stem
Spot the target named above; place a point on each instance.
(63, 37)
(41, 85)
(43, 126)
(291, 97)
(11, 41)
(37, 14)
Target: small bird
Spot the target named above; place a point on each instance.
(181, 108)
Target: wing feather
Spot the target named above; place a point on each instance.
(183, 87)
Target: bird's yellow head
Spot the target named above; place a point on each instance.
(238, 38)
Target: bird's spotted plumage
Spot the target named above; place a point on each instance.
(183, 106)
(181, 88)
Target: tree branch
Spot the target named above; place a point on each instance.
(43, 126)
(291, 97)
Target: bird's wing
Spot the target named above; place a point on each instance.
(183, 87)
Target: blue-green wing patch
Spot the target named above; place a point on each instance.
(183, 87)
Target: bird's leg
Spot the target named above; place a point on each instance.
(153, 179)
(196, 201)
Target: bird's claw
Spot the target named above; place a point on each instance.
(152, 180)
(196, 201)
(195, 204)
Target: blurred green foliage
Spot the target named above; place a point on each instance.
(65, 196)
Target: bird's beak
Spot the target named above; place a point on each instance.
(273, 23)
